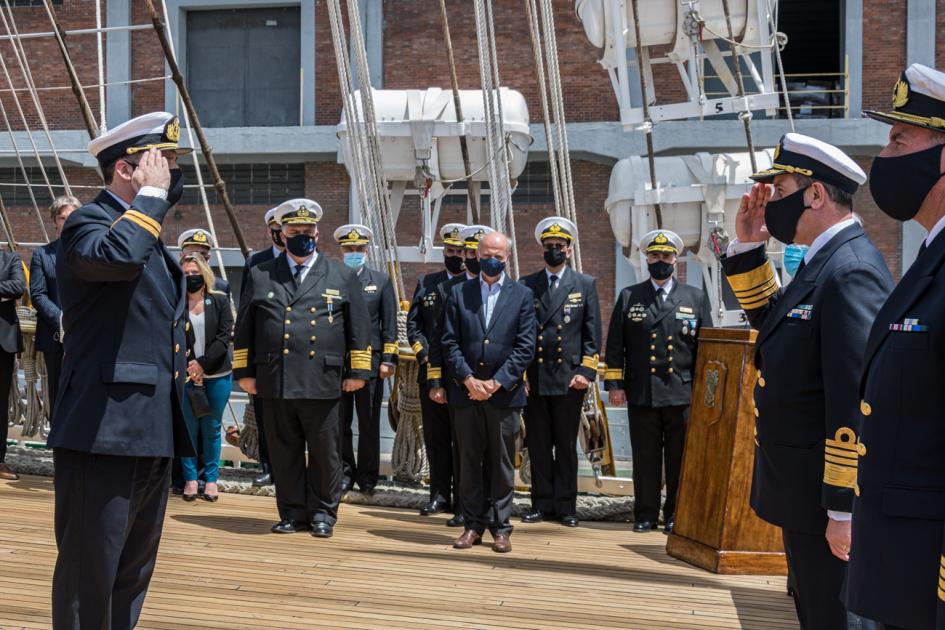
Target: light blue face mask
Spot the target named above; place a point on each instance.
(793, 255)
(355, 260)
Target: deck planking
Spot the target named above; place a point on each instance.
(219, 567)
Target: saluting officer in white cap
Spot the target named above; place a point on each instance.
(569, 331)
(302, 337)
(808, 356)
(650, 357)
(424, 331)
(381, 301)
(897, 568)
(198, 241)
(118, 420)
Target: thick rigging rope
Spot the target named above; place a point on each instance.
(647, 121)
(101, 63)
(23, 62)
(745, 115)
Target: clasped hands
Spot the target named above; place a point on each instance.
(480, 390)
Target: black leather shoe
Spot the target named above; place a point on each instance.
(569, 520)
(188, 497)
(644, 526)
(290, 527)
(668, 528)
(535, 516)
(321, 530)
(368, 490)
(457, 521)
(177, 490)
(433, 507)
(345, 485)
(264, 479)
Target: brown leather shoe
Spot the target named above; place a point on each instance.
(502, 544)
(7, 473)
(468, 539)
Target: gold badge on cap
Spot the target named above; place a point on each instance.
(900, 94)
(454, 233)
(353, 235)
(303, 212)
(660, 239)
(200, 237)
(172, 129)
(555, 228)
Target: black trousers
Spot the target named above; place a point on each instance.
(818, 579)
(53, 370)
(109, 514)
(657, 439)
(486, 441)
(441, 451)
(551, 430)
(306, 492)
(364, 470)
(6, 382)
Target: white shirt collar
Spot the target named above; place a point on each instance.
(824, 237)
(500, 281)
(560, 274)
(666, 287)
(307, 264)
(938, 227)
(276, 251)
(124, 204)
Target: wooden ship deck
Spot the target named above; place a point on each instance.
(219, 567)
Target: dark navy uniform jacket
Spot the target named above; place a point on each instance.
(651, 343)
(123, 303)
(568, 332)
(896, 573)
(256, 258)
(425, 325)
(809, 354)
(294, 340)
(12, 288)
(381, 301)
(502, 350)
(44, 294)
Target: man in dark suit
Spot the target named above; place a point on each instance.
(302, 336)
(199, 241)
(651, 354)
(424, 331)
(119, 418)
(488, 341)
(12, 287)
(257, 258)
(568, 313)
(897, 567)
(381, 301)
(809, 354)
(44, 294)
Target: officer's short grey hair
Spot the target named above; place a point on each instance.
(61, 202)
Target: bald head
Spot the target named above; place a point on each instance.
(495, 244)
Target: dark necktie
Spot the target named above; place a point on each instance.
(800, 267)
(661, 294)
(924, 246)
(554, 282)
(298, 274)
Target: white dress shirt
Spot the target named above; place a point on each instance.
(560, 275)
(935, 231)
(490, 294)
(824, 237)
(667, 287)
(306, 266)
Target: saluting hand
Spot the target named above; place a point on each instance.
(750, 220)
(152, 171)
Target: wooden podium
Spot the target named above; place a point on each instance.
(715, 528)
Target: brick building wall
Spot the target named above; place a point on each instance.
(414, 57)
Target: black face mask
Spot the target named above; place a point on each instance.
(555, 257)
(660, 270)
(472, 266)
(900, 184)
(176, 191)
(454, 264)
(782, 215)
(276, 236)
(194, 283)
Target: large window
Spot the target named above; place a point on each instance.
(249, 184)
(243, 66)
